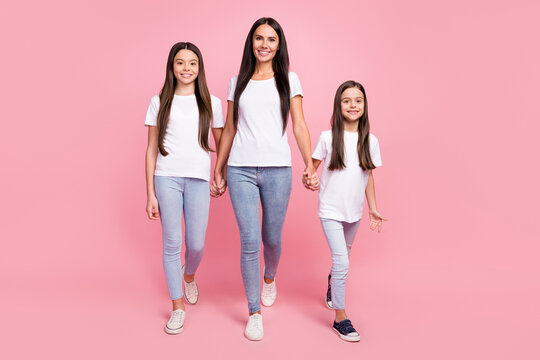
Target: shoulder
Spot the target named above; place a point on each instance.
(326, 136)
(373, 139)
(233, 79)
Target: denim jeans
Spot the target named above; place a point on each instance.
(271, 186)
(192, 196)
(340, 236)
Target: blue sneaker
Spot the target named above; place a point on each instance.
(329, 294)
(346, 330)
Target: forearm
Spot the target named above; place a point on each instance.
(303, 140)
(216, 133)
(150, 166)
(370, 193)
(225, 144)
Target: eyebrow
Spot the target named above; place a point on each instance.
(358, 97)
(177, 59)
(270, 37)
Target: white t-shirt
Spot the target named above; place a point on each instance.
(186, 156)
(259, 139)
(342, 192)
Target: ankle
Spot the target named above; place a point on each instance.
(268, 281)
(178, 305)
(189, 278)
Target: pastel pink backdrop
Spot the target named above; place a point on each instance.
(452, 93)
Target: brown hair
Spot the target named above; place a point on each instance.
(338, 155)
(280, 65)
(202, 95)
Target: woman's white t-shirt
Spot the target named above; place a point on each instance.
(259, 139)
(342, 192)
(186, 156)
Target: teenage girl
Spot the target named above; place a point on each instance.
(259, 158)
(350, 153)
(178, 169)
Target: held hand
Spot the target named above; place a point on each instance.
(152, 209)
(310, 179)
(376, 220)
(218, 185)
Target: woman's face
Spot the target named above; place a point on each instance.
(352, 104)
(265, 43)
(186, 66)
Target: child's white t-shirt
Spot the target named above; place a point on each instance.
(186, 156)
(259, 139)
(342, 192)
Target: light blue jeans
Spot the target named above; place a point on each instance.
(192, 196)
(340, 237)
(249, 187)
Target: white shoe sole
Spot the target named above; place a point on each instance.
(328, 304)
(347, 338)
(254, 338)
(173, 332)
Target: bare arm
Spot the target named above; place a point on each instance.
(225, 143)
(303, 140)
(375, 217)
(150, 165)
(216, 133)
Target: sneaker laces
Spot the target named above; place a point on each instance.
(267, 289)
(177, 316)
(190, 288)
(257, 322)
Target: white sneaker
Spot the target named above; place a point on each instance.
(175, 325)
(268, 293)
(254, 328)
(191, 291)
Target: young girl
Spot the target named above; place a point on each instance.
(350, 153)
(259, 166)
(178, 169)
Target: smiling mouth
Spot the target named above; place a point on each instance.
(264, 53)
(185, 75)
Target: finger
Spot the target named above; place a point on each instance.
(380, 226)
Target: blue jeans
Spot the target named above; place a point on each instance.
(192, 196)
(272, 187)
(340, 236)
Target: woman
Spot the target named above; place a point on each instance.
(259, 159)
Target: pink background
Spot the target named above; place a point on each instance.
(453, 97)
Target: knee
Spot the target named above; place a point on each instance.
(172, 246)
(340, 265)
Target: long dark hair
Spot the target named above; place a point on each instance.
(280, 65)
(166, 95)
(338, 152)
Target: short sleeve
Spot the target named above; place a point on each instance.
(374, 150)
(152, 113)
(294, 84)
(232, 87)
(217, 112)
(320, 150)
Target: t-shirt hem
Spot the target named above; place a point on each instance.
(339, 218)
(259, 164)
(184, 175)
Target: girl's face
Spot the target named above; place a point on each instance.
(352, 104)
(186, 67)
(265, 43)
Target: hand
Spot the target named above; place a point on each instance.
(218, 186)
(376, 220)
(310, 179)
(152, 208)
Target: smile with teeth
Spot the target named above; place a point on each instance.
(185, 75)
(264, 53)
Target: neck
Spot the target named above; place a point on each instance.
(184, 90)
(263, 68)
(351, 126)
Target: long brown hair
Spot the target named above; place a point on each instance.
(280, 65)
(166, 96)
(338, 152)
